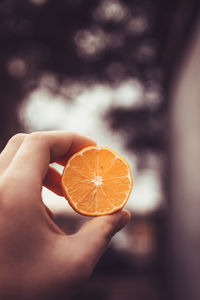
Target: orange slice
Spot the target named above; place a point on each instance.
(97, 181)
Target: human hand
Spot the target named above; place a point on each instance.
(37, 260)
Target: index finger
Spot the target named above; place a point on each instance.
(39, 149)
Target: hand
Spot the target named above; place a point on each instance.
(37, 260)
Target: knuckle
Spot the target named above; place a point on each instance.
(36, 135)
(38, 139)
(18, 138)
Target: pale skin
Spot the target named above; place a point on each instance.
(37, 260)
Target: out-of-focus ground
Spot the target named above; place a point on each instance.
(127, 74)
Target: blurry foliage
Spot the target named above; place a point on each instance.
(143, 128)
(91, 40)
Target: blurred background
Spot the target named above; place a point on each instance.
(127, 74)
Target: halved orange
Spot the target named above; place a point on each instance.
(97, 181)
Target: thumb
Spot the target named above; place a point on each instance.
(95, 235)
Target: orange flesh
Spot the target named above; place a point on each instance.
(97, 181)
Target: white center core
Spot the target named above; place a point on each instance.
(97, 180)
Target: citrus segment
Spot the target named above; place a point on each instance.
(96, 181)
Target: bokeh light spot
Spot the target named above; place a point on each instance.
(138, 24)
(16, 67)
(148, 194)
(90, 42)
(111, 10)
(128, 93)
(146, 52)
(153, 96)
